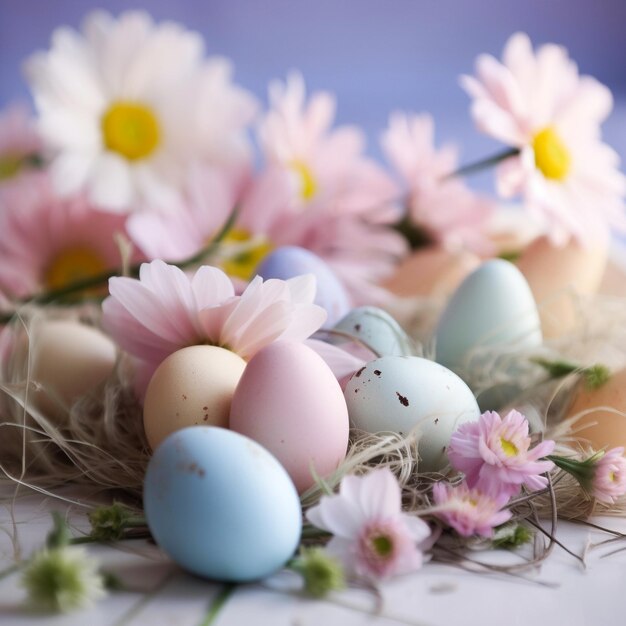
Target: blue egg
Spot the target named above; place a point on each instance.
(290, 261)
(220, 505)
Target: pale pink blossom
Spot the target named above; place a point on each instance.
(329, 170)
(166, 310)
(609, 478)
(48, 242)
(443, 206)
(372, 537)
(494, 454)
(537, 102)
(360, 253)
(470, 511)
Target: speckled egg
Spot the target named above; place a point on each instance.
(193, 386)
(291, 403)
(376, 329)
(220, 505)
(492, 313)
(290, 261)
(398, 394)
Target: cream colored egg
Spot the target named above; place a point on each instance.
(432, 272)
(556, 275)
(69, 360)
(600, 426)
(193, 386)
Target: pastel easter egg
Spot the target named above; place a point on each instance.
(291, 403)
(376, 329)
(290, 261)
(557, 275)
(220, 505)
(599, 425)
(193, 386)
(492, 314)
(398, 394)
(433, 271)
(69, 360)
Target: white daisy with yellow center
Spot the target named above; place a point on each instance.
(126, 105)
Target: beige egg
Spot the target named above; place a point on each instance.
(432, 272)
(600, 427)
(556, 275)
(69, 360)
(193, 386)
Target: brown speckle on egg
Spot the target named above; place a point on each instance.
(404, 401)
(377, 372)
(359, 372)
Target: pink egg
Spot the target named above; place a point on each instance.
(291, 403)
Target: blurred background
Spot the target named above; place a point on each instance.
(375, 55)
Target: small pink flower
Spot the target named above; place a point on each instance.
(494, 454)
(609, 479)
(373, 538)
(165, 311)
(470, 511)
(444, 207)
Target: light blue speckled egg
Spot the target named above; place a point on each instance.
(488, 325)
(377, 330)
(290, 261)
(220, 505)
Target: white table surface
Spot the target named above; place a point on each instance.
(562, 592)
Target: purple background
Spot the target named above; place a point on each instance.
(376, 55)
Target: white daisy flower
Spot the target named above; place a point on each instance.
(126, 105)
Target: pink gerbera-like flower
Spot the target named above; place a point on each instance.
(19, 141)
(495, 456)
(373, 538)
(49, 242)
(609, 478)
(470, 511)
(165, 311)
(327, 166)
(538, 103)
(447, 210)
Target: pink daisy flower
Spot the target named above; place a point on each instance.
(495, 456)
(445, 208)
(609, 478)
(166, 310)
(18, 141)
(49, 242)
(373, 538)
(537, 102)
(327, 166)
(470, 511)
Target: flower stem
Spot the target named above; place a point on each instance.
(595, 375)
(218, 602)
(46, 297)
(484, 164)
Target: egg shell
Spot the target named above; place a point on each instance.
(492, 312)
(69, 360)
(193, 386)
(600, 427)
(397, 393)
(434, 272)
(376, 329)
(291, 403)
(290, 261)
(557, 274)
(220, 505)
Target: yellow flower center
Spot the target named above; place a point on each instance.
(71, 265)
(612, 477)
(382, 544)
(308, 185)
(248, 253)
(10, 166)
(552, 157)
(130, 129)
(509, 448)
